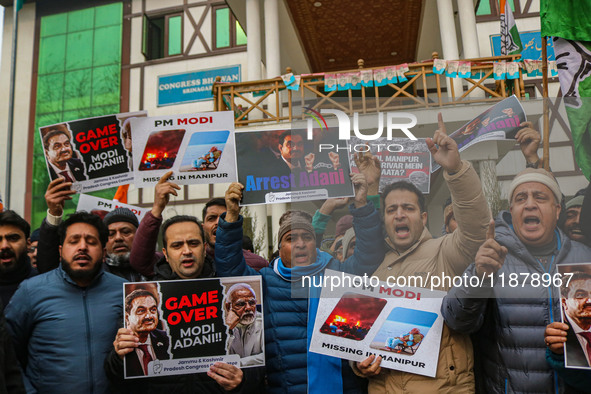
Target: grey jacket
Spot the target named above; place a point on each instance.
(507, 322)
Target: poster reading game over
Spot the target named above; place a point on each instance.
(197, 148)
(403, 325)
(402, 159)
(500, 122)
(185, 326)
(93, 153)
(101, 206)
(277, 166)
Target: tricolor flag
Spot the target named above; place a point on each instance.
(510, 41)
(568, 23)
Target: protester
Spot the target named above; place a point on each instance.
(572, 223)
(15, 264)
(245, 324)
(65, 320)
(11, 380)
(413, 252)
(121, 223)
(145, 260)
(183, 257)
(449, 220)
(585, 219)
(32, 251)
(289, 319)
(527, 243)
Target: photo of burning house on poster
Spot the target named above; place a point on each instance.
(204, 151)
(161, 150)
(353, 316)
(404, 331)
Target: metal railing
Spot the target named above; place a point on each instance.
(268, 101)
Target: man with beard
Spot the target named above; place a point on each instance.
(245, 325)
(14, 260)
(141, 317)
(121, 223)
(64, 320)
(572, 223)
(143, 259)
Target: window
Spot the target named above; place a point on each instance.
(78, 76)
(227, 31)
(162, 36)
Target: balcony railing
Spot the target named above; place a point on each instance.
(268, 101)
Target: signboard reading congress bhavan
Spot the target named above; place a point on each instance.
(193, 86)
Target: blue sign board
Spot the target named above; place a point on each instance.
(532, 45)
(193, 86)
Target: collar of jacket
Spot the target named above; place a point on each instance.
(425, 236)
(67, 278)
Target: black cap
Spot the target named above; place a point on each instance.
(121, 215)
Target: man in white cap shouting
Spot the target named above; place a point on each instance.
(515, 298)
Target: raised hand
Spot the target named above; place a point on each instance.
(309, 161)
(360, 185)
(125, 342)
(164, 188)
(529, 142)
(371, 167)
(491, 255)
(226, 375)
(444, 149)
(58, 191)
(370, 368)
(233, 197)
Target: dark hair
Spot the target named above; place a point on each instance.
(287, 133)
(51, 131)
(403, 185)
(214, 202)
(84, 217)
(180, 219)
(247, 243)
(576, 276)
(11, 218)
(136, 294)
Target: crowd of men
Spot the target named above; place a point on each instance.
(64, 330)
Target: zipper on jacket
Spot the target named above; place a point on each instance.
(88, 342)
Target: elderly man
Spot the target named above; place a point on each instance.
(289, 319)
(66, 318)
(58, 150)
(509, 311)
(14, 260)
(245, 325)
(141, 317)
(414, 252)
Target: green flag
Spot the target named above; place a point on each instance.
(510, 40)
(19, 4)
(568, 23)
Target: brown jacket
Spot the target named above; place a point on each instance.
(450, 255)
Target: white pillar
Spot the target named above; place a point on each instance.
(276, 211)
(469, 37)
(272, 49)
(259, 219)
(449, 43)
(253, 34)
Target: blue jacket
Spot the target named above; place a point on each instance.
(286, 317)
(62, 332)
(508, 322)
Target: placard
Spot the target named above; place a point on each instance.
(278, 166)
(403, 325)
(197, 148)
(101, 206)
(93, 153)
(185, 326)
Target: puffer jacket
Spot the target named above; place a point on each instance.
(286, 317)
(434, 257)
(508, 323)
(62, 332)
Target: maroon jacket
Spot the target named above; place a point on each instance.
(144, 256)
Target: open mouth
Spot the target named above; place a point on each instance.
(531, 220)
(402, 230)
(300, 257)
(82, 259)
(187, 263)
